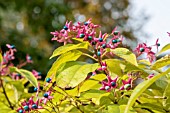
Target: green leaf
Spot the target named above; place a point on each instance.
(152, 107)
(126, 55)
(27, 74)
(74, 73)
(165, 48)
(69, 56)
(164, 61)
(1, 58)
(113, 66)
(63, 49)
(118, 109)
(91, 83)
(141, 88)
(166, 102)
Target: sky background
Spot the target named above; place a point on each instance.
(159, 19)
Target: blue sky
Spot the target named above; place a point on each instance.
(159, 22)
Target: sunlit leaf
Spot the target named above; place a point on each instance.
(74, 73)
(141, 88)
(69, 56)
(164, 61)
(113, 66)
(63, 49)
(165, 48)
(27, 74)
(126, 55)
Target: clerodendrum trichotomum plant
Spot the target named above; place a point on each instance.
(93, 73)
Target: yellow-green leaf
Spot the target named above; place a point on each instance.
(74, 73)
(126, 55)
(165, 48)
(63, 49)
(69, 56)
(27, 74)
(164, 61)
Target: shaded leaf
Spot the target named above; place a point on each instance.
(166, 102)
(141, 88)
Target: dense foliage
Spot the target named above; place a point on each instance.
(109, 78)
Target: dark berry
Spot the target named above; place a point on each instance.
(48, 80)
(114, 41)
(29, 58)
(89, 37)
(158, 44)
(85, 23)
(12, 46)
(116, 33)
(100, 39)
(45, 95)
(93, 43)
(107, 87)
(142, 49)
(35, 89)
(98, 53)
(82, 35)
(34, 106)
(103, 45)
(18, 74)
(39, 73)
(113, 84)
(26, 108)
(20, 111)
(65, 28)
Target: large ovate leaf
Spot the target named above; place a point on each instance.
(126, 55)
(113, 66)
(27, 74)
(141, 88)
(165, 48)
(63, 49)
(69, 56)
(164, 61)
(74, 73)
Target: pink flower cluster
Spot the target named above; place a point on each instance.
(143, 48)
(8, 56)
(87, 32)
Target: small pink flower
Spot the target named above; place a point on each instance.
(103, 67)
(46, 97)
(110, 84)
(36, 74)
(168, 33)
(29, 59)
(126, 84)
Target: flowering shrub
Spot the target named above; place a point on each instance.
(115, 80)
